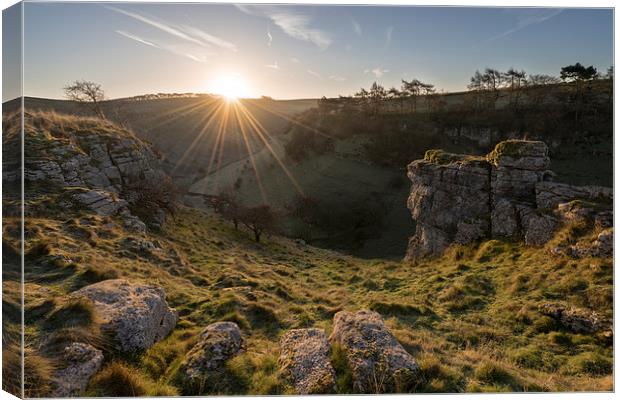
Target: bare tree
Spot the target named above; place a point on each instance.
(259, 219)
(88, 93)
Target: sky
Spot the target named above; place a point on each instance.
(295, 51)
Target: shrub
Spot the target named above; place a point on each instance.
(79, 312)
(490, 373)
(38, 374)
(118, 379)
(589, 363)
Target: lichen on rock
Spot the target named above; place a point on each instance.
(378, 363)
(136, 315)
(304, 359)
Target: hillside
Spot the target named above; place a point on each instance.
(487, 316)
(174, 125)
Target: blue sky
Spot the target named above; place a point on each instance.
(297, 51)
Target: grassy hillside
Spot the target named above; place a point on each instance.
(472, 318)
(184, 130)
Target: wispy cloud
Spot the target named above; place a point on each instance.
(315, 74)
(136, 38)
(337, 78)
(273, 66)
(356, 27)
(210, 39)
(297, 26)
(528, 16)
(378, 72)
(269, 38)
(192, 53)
(295, 60)
(388, 35)
(187, 33)
(294, 24)
(195, 57)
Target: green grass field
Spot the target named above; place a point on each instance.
(470, 318)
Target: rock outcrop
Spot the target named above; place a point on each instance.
(136, 315)
(509, 193)
(82, 362)
(94, 164)
(304, 360)
(576, 320)
(218, 342)
(378, 363)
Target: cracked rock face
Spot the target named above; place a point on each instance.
(93, 161)
(378, 363)
(137, 315)
(83, 361)
(304, 358)
(457, 198)
(218, 342)
(447, 201)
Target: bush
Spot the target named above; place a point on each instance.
(490, 373)
(78, 312)
(589, 363)
(118, 379)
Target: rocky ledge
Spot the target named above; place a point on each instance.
(459, 198)
(93, 164)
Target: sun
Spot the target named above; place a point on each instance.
(232, 87)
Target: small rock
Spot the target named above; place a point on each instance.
(134, 224)
(379, 364)
(574, 319)
(138, 315)
(304, 357)
(218, 342)
(83, 361)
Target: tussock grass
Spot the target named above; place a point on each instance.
(471, 318)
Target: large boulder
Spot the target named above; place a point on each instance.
(218, 342)
(82, 362)
(378, 363)
(304, 359)
(136, 314)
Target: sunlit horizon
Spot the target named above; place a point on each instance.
(293, 51)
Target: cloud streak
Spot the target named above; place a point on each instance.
(137, 38)
(273, 66)
(295, 25)
(526, 17)
(315, 74)
(357, 28)
(185, 32)
(174, 49)
(388, 35)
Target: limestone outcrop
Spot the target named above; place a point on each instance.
(378, 363)
(510, 192)
(94, 164)
(136, 315)
(304, 360)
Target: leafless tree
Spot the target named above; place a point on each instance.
(88, 93)
(259, 219)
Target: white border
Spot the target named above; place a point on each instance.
(475, 3)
